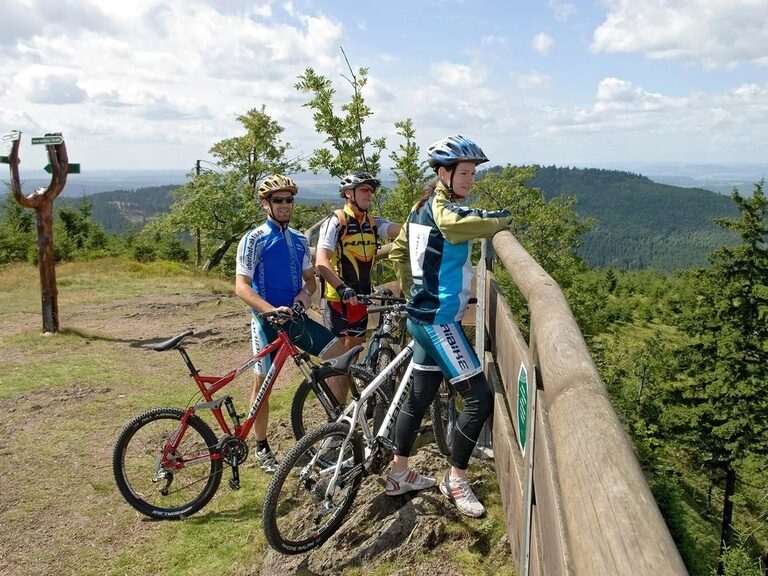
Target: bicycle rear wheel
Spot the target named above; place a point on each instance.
(445, 410)
(298, 516)
(165, 492)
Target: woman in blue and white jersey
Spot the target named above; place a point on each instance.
(439, 234)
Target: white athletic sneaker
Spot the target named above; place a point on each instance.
(407, 481)
(460, 492)
(265, 460)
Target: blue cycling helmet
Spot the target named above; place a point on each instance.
(454, 149)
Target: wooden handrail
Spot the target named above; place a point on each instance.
(607, 516)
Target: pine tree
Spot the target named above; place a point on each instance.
(720, 413)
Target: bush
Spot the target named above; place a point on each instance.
(144, 253)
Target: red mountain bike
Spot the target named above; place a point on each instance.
(168, 462)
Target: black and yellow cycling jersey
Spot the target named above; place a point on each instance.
(353, 244)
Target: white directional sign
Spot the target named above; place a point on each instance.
(49, 140)
(11, 136)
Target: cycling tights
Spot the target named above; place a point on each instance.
(478, 406)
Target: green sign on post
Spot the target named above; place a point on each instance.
(522, 406)
(49, 139)
(71, 168)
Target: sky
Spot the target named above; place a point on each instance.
(153, 84)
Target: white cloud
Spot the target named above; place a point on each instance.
(49, 87)
(711, 33)
(533, 80)
(458, 75)
(562, 10)
(626, 121)
(542, 43)
(617, 94)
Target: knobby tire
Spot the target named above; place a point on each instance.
(296, 517)
(136, 458)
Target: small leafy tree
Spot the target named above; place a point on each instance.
(720, 412)
(350, 149)
(411, 174)
(220, 205)
(79, 235)
(257, 153)
(17, 231)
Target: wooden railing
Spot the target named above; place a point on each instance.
(575, 499)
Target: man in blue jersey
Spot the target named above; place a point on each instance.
(438, 235)
(274, 271)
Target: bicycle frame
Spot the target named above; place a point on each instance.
(211, 384)
(352, 415)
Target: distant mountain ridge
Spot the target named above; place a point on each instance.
(640, 223)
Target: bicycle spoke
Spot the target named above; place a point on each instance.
(304, 505)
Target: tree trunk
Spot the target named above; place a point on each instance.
(726, 532)
(48, 290)
(218, 254)
(198, 252)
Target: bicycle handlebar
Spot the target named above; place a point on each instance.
(366, 299)
(279, 315)
(400, 305)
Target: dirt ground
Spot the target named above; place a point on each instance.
(45, 523)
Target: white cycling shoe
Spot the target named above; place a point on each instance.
(460, 492)
(407, 481)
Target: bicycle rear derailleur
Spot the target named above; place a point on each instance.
(234, 452)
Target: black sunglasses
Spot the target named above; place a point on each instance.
(280, 200)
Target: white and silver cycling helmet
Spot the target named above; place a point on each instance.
(352, 181)
(454, 149)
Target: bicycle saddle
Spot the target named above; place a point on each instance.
(344, 361)
(170, 344)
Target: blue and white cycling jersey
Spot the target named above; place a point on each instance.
(439, 237)
(275, 259)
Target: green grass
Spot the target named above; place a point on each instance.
(66, 397)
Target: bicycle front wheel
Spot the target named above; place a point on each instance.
(175, 486)
(300, 513)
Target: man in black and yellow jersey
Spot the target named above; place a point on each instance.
(346, 250)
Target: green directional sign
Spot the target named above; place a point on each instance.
(71, 168)
(11, 136)
(5, 160)
(49, 140)
(522, 406)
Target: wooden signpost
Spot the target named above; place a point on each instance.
(41, 201)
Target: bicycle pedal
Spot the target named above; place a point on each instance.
(234, 484)
(385, 442)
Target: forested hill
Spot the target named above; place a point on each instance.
(640, 224)
(120, 210)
